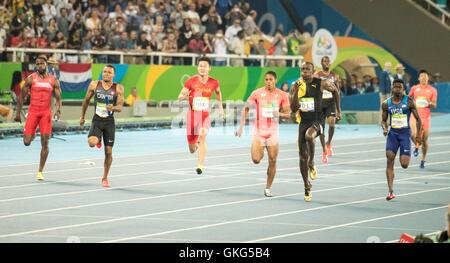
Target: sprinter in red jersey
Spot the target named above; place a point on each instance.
(40, 85)
(198, 91)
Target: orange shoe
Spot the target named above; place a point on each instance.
(324, 157)
(390, 196)
(329, 150)
(105, 183)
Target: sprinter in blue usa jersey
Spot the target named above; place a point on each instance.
(398, 109)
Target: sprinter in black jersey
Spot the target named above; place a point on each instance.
(108, 98)
(306, 102)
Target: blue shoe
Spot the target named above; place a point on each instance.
(422, 164)
(416, 152)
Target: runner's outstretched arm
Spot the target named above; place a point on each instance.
(413, 108)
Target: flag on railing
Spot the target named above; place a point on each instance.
(75, 77)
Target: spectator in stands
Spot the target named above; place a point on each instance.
(234, 14)
(343, 86)
(407, 82)
(203, 7)
(146, 26)
(17, 24)
(196, 44)
(367, 82)
(36, 7)
(118, 12)
(212, 21)
(51, 29)
(155, 44)
(353, 88)
(63, 22)
(249, 48)
(436, 78)
(60, 41)
(374, 86)
(285, 87)
(123, 43)
(34, 29)
(77, 25)
(119, 26)
(15, 83)
(98, 42)
(245, 7)
(249, 24)
(278, 48)
(74, 42)
(360, 88)
(159, 27)
(237, 47)
(102, 14)
(295, 41)
(220, 47)
(161, 11)
(194, 17)
(186, 34)
(177, 15)
(143, 45)
(170, 46)
(386, 81)
(49, 10)
(232, 31)
(222, 6)
(259, 49)
(19, 40)
(207, 44)
(93, 22)
(399, 72)
(132, 97)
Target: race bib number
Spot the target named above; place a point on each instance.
(101, 110)
(422, 102)
(399, 121)
(327, 95)
(267, 111)
(200, 104)
(306, 104)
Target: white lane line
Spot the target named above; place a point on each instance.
(163, 161)
(199, 207)
(345, 225)
(281, 214)
(126, 200)
(236, 175)
(183, 152)
(432, 139)
(191, 159)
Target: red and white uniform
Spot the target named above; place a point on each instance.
(40, 112)
(199, 100)
(267, 105)
(422, 96)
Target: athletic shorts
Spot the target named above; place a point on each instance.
(400, 140)
(267, 137)
(328, 108)
(425, 118)
(43, 119)
(195, 121)
(103, 127)
(303, 127)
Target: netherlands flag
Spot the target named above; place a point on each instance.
(75, 77)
